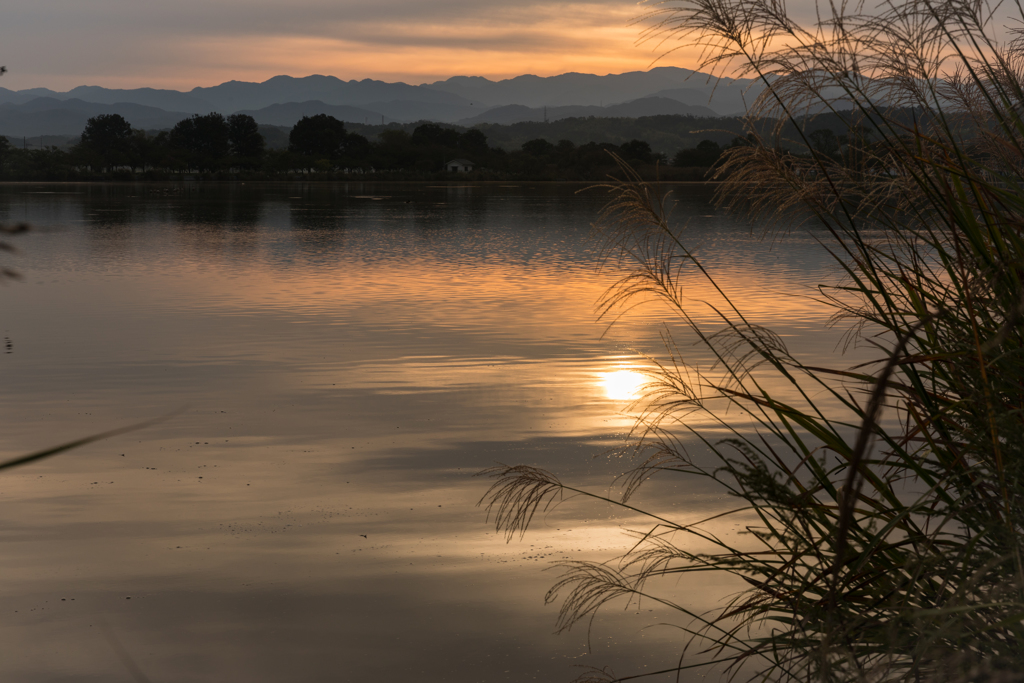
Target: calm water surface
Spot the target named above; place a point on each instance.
(346, 358)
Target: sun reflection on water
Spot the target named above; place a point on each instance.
(623, 384)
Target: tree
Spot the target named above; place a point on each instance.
(5, 154)
(357, 149)
(394, 150)
(106, 141)
(434, 134)
(825, 142)
(704, 155)
(637, 150)
(473, 140)
(538, 148)
(244, 138)
(206, 140)
(320, 136)
(395, 138)
(140, 150)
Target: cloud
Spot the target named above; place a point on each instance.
(132, 43)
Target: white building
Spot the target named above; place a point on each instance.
(459, 166)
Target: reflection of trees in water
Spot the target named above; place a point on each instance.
(7, 211)
(306, 218)
(318, 225)
(235, 208)
(113, 213)
(433, 208)
(110, 208)
(225, 227)
(208, 219)
(109, 213)
(229, 216)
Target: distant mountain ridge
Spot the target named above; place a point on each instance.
(587, 89)
(287, 114)
(237, 95)
(646, 106)
(50, 116)
(466, 100)
(234, 96)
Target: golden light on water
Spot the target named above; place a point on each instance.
(623, 384)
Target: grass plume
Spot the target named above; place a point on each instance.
(889, 497)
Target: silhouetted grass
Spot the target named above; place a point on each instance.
(889, 497)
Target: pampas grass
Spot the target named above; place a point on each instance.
(889, 497)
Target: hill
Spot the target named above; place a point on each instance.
(460, 98)
(647, 106)
(49, 116)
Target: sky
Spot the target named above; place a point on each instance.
(181, 44)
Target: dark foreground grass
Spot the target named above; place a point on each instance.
(888, 497)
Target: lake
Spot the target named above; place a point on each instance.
(340, 360)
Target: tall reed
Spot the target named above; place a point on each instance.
(888, 497)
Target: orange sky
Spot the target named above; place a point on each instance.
(128, 43)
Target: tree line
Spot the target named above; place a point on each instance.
(320, 146)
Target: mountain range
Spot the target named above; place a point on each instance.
(464, 100)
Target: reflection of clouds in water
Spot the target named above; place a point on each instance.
(623, 384)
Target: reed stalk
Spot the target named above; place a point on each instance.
(889, 497)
